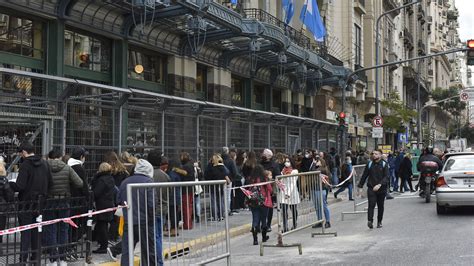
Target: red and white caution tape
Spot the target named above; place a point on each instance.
(67, 220)
(345, 180)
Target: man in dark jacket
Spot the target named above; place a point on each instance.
(270, 165)
(64, 177)
(161, 200)
(78, 157)
(187, 195)
(376, 174)
(143, 229)
(34, 180)
(230, 165)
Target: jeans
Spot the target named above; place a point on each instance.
(259, 218)
(335, 176)
(405, 182)
(145, 234)
(56, 234)
(217, 206)
(394, 178)
(294, 214)
(341, 189)
(228, 188)
(376, 198)
(317, 203)
(159, 242)
(197, 205)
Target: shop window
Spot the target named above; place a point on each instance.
(21, 36)
(237, 91)
(86, 52)
(147, 66)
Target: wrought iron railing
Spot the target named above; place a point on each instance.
(296, 36)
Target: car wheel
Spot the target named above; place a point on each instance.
(441, 209)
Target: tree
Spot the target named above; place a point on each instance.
(399, 113)
(455, 106)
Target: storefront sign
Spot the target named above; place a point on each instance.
(351, 129)
(330, 115)
(386, 149)
(360, 131)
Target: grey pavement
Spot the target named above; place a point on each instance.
(412, 234)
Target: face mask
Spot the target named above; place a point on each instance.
(196, 165)
(348, 161)
(306, 155)
(287, 164)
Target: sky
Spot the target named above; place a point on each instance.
(466, 19)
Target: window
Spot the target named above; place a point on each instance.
(237, 91)
(152, 64)
(21, 36)
(276, 100)
(86, 52)
(201, 79)
(358, 45)
(259, 94)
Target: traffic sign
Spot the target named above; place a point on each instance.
(464, 96)
(377, 121)
(377, 132)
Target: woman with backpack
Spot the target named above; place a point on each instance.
(259, 201)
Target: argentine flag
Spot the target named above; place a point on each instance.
(289, 10)
(311, 18)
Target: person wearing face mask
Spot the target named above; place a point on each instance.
(270, 165)
(376, 174)
(306, 161)
(291, 196)
(346, 171)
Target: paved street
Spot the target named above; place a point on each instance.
(413, 234)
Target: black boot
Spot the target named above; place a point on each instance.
(255, 238)
(264, 235)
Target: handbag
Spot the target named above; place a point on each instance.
(197, 188)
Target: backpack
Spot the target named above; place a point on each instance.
(256, 198)
(383, 164)
(331, 162)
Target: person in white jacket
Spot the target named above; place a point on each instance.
(290, 197)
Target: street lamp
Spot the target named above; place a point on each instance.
(377, 100)
(422, 109)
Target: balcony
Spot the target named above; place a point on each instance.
(393, 57)
(359, 6)
(421, 15)
(296, 36)
(421, 48)
(453, 14)
(408, 39)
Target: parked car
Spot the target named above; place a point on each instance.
(455, 183)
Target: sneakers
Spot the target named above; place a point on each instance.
(379, 225)
(112, 255)
(327, 225)
(370, 225)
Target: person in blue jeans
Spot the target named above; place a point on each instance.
(320, 165)
(346, 172)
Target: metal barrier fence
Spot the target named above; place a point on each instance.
(302, 199)
(42, 245)
(170, 229)
(358, 200)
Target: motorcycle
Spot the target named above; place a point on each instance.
(427, 185)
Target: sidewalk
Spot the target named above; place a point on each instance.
(239, 224)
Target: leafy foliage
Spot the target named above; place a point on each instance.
(455, 106)
(400, 113)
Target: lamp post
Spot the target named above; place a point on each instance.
(377, 100)
(418, 106)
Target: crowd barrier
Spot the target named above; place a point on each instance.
(170, 229)
(300, 206)
(359, 199)
(41, 231)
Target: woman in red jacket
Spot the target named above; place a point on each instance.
(259, 201)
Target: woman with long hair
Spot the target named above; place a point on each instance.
(406, 173)
(259, 201)
(290, 196)
(217, 171)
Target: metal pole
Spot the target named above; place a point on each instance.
(131, 245)
(226, 215)
(343, 127)
(377, 59)
(419, 138)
